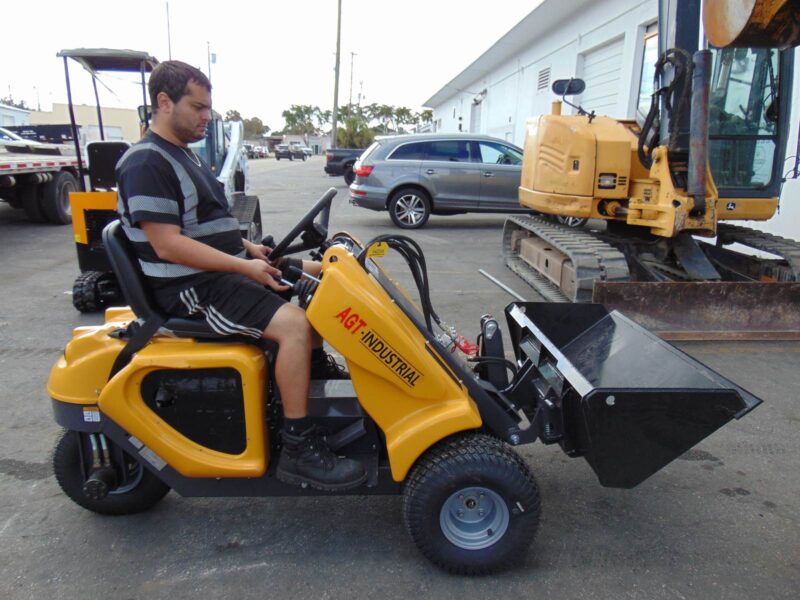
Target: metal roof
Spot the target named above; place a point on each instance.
(539, 21)
(105, 59)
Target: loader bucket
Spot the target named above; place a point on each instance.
(631, 402)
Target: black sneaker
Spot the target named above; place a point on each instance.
(306, 459)
(327, 368)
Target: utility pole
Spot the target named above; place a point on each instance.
(208, 53)
(169, 34)
(336, 77)
(352, 54)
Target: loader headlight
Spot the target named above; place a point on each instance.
(607, 181)
(490, 329)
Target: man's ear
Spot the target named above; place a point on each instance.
(165, 103)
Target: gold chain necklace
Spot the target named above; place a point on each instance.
(192, 156)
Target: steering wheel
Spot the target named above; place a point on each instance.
(313, 233)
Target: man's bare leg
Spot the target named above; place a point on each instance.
(290, 328)
(305, 457)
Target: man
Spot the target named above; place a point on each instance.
(175, 213)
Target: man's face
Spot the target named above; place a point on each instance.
(188, 117)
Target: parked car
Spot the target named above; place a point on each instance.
(250, 150)
(340, 161)
(415, 176)
(288, 151)
(307, 151)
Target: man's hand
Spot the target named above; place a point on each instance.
(260, 252)
(262, 272)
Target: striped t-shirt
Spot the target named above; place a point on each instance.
(161, 182)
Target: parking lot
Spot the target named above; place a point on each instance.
(723, 521)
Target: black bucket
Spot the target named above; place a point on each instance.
(631, 402)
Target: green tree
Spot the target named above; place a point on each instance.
(254, 128)
(404, 116)
(302, 119)
(9, 101)
(354, 133)
(233, 115)
(426, 116)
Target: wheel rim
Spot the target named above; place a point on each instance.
(64, 198)
(571, 221)
(136, 479)
(474, 518)
(409, 209)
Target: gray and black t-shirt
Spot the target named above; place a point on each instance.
(161, 182)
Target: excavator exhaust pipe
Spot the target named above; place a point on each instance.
(698, 131)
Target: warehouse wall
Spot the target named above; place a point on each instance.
(511, 94)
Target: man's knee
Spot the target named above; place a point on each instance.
(289, 324)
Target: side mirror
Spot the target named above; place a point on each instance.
(568, 87)
(145, 114)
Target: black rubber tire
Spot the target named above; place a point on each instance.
(85, 295)
(459, 462)
(304, 158)
(349, 175)
(409, 196)
(277, 157)
(54, 198)
(238, 181)
(31, 203)
(69, 475)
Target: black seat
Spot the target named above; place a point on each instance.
(103, 158)
(137, 293)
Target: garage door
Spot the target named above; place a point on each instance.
(602, 69)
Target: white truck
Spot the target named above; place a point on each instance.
(37, 178)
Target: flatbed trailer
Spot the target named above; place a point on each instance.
(38, 179)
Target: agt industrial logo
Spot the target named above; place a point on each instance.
(379, 347)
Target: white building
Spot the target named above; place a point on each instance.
(599, 41)
(11, 115)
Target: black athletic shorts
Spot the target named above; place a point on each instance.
(232, 304)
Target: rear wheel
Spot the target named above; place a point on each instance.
(471, 505)
(410, 208)
(29, 198)
(54, 198)
(137, 489)
(349, 175)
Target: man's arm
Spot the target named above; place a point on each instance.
(170, 244)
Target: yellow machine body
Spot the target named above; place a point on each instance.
(399, 381)
(590, 169)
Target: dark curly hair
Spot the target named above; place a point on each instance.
(172, 77)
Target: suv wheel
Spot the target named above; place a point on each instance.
(349, 176)
(410, 208)
(572, 222)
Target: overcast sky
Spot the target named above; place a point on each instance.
(269, 54)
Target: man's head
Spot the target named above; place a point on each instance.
(180, 96)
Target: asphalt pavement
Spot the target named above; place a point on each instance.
(723, 521)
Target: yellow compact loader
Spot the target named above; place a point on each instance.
(150, 403)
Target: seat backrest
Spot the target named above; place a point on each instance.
(103, 158)
(129, 274)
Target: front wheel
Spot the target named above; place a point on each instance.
(136, 489)
(471, 505)
(410, 208)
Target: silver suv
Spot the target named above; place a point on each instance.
(414, 176)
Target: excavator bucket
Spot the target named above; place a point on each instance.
(720, 310)
(631, 402)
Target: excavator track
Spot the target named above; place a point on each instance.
(787, 249)
(591, 258)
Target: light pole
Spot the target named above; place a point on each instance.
(336, 77)
(352, 55)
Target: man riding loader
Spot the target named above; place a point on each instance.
(150, 403)
(222, 149)
(711, 149)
